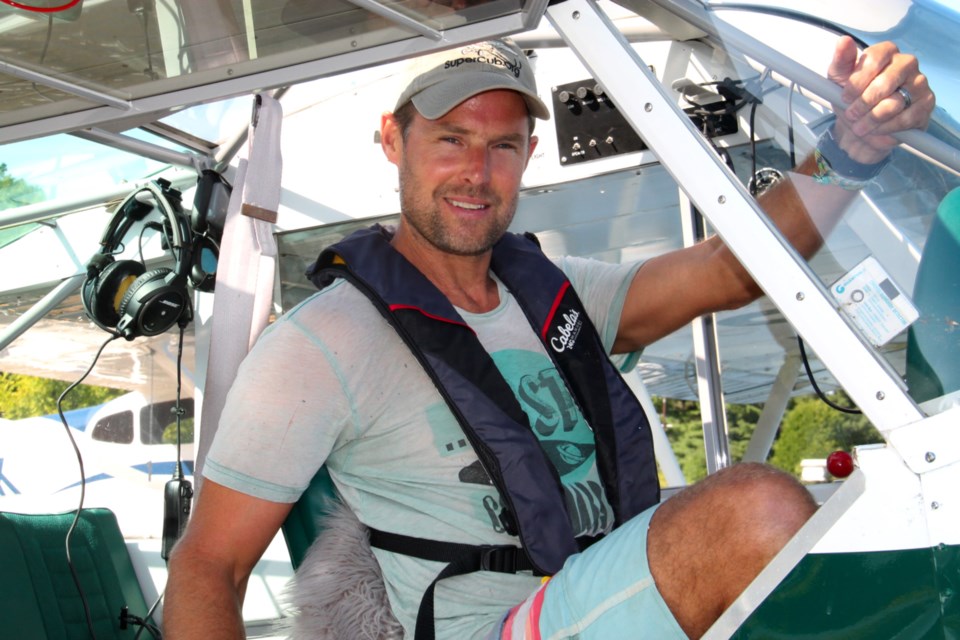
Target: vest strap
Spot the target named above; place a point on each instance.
(500, 558)
(461, 559)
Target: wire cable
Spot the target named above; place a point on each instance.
(803, 351)
(153, 629)
(43, 57)
(83, 485)
(141, 13)
(178, 469)
(789, 14)
(816, 387)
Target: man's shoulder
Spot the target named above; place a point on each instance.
(582, 269)
(337, 312)
(331, 302)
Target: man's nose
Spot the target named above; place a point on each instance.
(476, 165)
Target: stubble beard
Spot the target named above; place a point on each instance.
(447, 236)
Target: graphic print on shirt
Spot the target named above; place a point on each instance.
(563, 433)
(448, 437)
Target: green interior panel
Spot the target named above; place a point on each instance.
(933, 341)
(907, 594)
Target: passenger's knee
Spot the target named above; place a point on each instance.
(728, 526)
(757, 503)
(768, 505)
(773, 489)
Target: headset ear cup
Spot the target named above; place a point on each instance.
(88, 296)
(110, 289)
(203, 272)
(153, 304)
(210, 204)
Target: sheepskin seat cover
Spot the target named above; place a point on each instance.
(338, 592)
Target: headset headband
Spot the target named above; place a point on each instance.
(136, 207)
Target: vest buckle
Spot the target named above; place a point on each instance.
(505, 559)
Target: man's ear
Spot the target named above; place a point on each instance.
(391, 138)
(533, 147)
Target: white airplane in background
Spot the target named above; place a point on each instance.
(664, 113)
(125, 461)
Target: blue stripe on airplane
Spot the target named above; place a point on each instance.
(149, 468)
(6, 481)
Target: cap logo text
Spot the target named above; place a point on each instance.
(485, 55)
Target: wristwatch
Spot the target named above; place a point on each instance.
(834, 166)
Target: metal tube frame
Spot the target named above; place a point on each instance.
(97, 97)
(401, 19)
(706, 354)
(145, 149)
(43, 306)
(773, 409)
(54, 208)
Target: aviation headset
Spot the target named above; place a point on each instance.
(121, 296)
(206, 222)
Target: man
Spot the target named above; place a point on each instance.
(332, 382)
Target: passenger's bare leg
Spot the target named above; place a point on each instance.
(708, 542)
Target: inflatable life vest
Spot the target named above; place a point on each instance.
(486, 408)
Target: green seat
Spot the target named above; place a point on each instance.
(933, 341)
(302, 525)
(38, 596)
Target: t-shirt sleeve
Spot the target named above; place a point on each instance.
(277, 426)
(602, 287)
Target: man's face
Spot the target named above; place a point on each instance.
(460, 174)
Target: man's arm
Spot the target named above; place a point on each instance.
(672, 289)
(210, 565)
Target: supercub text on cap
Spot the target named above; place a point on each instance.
(514, 67)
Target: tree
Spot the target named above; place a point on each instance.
(684, 429)
(186, 432)
(811, 429)
(682, 422)
(741, 423)
(15, 192)
(29, 396)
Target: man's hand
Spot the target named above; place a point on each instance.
(875, 107)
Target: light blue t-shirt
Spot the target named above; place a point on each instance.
(331, 382)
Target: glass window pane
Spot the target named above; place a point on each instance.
(116, 428)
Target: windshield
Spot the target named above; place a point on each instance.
(925, 28)
(890, 262)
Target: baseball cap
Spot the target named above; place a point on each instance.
(440, 81)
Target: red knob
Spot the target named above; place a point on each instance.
(840, 464)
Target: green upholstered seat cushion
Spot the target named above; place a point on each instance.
(38, 596)
(302, 525)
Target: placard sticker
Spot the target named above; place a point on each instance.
(874, 303)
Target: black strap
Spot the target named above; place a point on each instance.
(482, 557)
(461, 559)
(426, 629)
